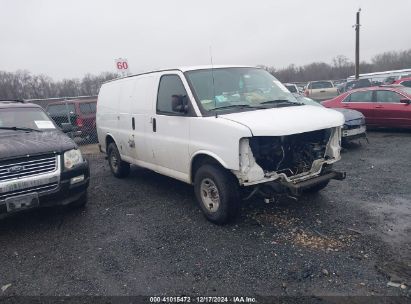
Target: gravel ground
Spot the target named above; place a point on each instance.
(145, 235)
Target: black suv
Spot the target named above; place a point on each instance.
(39, 165)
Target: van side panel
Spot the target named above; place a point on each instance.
(137, 103)
(107, 111)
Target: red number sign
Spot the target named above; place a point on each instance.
(122, 65)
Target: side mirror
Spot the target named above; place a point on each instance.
(179, 103)
(67, 127)
(406, 101)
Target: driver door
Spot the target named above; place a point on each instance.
(170, 128)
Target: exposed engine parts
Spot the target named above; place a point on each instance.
(291, 155)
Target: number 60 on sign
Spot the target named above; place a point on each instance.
(122, 65)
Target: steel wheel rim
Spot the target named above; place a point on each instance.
(114, 161)
(210, 196)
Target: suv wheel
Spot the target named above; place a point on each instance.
(118, 167)
(217, 193)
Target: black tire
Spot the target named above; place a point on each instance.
(81, 202)
(119, 168)
(317, 188)
(212, 178)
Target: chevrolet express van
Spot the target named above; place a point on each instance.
(231, 131)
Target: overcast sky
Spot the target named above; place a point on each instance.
(68, 38)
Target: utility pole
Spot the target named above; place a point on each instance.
(357, 45)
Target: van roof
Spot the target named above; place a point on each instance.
(186, 69)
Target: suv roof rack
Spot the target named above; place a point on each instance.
(11, 100)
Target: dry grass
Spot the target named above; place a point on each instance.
(290, 230)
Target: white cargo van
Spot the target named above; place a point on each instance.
(231, 131)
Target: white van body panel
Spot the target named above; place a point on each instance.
(217, 137)
(287, 120)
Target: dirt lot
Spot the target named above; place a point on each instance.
(145, 235)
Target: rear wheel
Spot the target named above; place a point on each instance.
(217, 193)
(118, 167)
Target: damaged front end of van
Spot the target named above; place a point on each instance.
(291, 164)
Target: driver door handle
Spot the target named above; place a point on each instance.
(154, 123)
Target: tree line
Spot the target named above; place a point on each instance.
(24, 85)
(341, 67)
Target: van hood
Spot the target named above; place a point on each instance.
(287, 120)
(14, 144)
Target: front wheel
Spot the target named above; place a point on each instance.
(118, 167)
(217, 193)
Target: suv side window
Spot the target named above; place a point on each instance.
(388, 97)
(172, 95)
(61, 109)
(88, 108)
(363, 96)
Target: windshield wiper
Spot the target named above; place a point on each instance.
(239, 106)
(19, 129)
(282, 102)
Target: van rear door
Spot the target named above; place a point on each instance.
(134, 113)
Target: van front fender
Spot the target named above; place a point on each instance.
(203, 154)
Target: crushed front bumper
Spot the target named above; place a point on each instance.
(296, 189)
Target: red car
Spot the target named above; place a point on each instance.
(383, 106)
(406, 82)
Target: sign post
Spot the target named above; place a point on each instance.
(122, 66)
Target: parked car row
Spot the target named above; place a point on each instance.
(231, 131)
(322, 88)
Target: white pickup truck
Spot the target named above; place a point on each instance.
(321, 90)
(227, 130)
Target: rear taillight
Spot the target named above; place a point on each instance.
(79, 122)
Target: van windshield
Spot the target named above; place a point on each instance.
(238, 89)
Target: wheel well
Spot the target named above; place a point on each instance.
(202, 159)
(109, 140)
